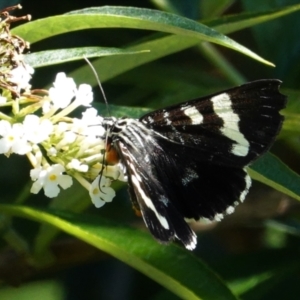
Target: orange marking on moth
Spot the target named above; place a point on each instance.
(137, 211)
(111, 155)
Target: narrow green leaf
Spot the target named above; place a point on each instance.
(284, 226)
(52, 57)
(250, 273)
(248, 265)
(270, 288)
(128, 17)
(161, 46)
(259, 285)
(293, 105)
(244, 285)
(272, 171)
(286, 43)
(75, 200)
(221, 63)
(214, 8)
(228, 24)
(166, 265)
(291, 125)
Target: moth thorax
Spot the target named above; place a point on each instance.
(111, 155)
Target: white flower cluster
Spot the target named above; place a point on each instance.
(21, 76)
(59, 147)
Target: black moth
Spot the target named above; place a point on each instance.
(188, 161)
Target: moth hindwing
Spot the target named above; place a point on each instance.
(187, 161)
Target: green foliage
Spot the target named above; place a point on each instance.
(146, 69)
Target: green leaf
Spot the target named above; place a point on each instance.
(257, 273)
(233, 23)
(75, 200)
(248, 265)
(293, 104)
(271, 288)
(128, 17)
(272, 171)
(122, 111)
(214, 8)
(161, 46)
(166, 265)
(52, 57)
(286, 43)
(283, 226)
(158, 45)
(291, 125)
(243, 285)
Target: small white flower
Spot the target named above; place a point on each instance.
(52, 151)
(77, 165)
(21, 76)
(122, 172)
(101, 193)
(63, 91)
(18, 58)
(3, 100)
(79, 127)
(36, 130)
(49, 179)
(61, 127)
(88, 135)
(90, 117)
(67, 138)
(115, 172)
(84, 95)
(35, 156)
(13, 140)
(93, 122)
(47, 105)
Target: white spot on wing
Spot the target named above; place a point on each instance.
(193, 113)
(218, 217)
(166, 117)
(230, 210)
(150, 120)
(193, 243)
(248, 185)
(222, 107)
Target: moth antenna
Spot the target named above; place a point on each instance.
(108, 111)
(99, 84)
